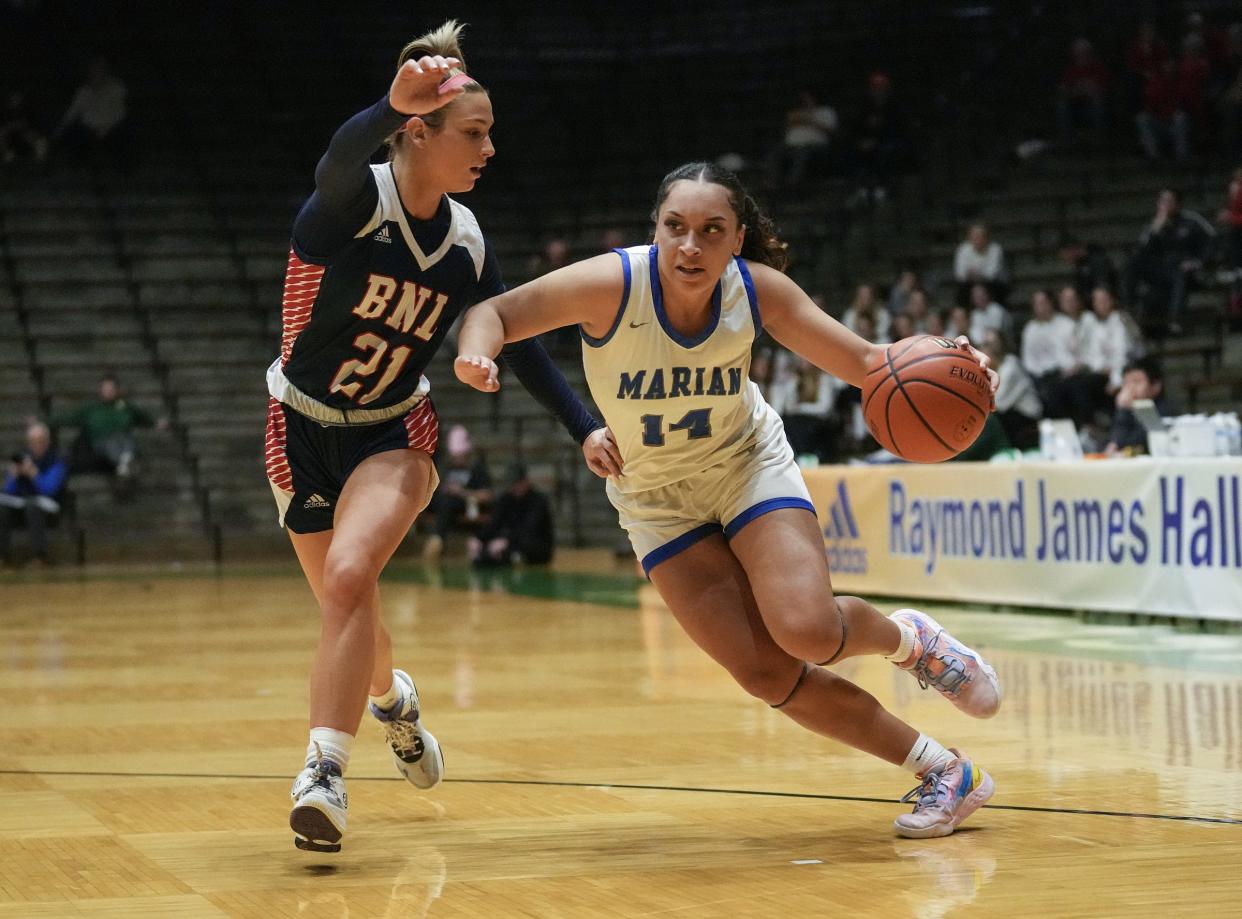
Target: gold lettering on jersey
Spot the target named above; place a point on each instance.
(410, 305)
(380, 289)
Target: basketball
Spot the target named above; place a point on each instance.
(926, 399)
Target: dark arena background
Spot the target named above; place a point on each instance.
(936, 168)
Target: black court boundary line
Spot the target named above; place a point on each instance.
(1190, 818)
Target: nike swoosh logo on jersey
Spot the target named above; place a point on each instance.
(635, 325)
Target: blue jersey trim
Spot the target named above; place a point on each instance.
(751, 296)
(625, 299)
(675, 546)
(657, 298)
(764, 507)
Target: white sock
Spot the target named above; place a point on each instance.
(926, 754)
(330, 744)
(905, 647)
(387, 700)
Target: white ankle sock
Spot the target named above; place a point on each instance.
(905, 647)
(330, 744)
(926, 754)
(388, 699)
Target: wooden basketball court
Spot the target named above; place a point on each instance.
(599, 765)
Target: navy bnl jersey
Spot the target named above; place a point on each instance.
(358, 332)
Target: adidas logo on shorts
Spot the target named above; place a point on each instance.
(382, 236)
(314, 501)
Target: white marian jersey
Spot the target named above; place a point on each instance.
(676, 404)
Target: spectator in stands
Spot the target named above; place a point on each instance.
(1148, 52)
(958, 322)
(1091, 264)
(1082, 95)
(1017, 401)
(867, 304)
(1163, 121)
(1142, 379)
(1230, 217)
(32, 493)
(1049, 343)
(902, 326)
(918, 308)
(804, 398)
(809, 130)
(20, 136)
(935, 324)
(1109, 339)
(899, 294)
(465, 494)
(986, 314)
(882, 146)
(105, 441)
(554, 255)
(1172, 248)
(522, 529)
(93, 128)
(979, 260)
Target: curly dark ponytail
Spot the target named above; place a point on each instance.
(762, 244)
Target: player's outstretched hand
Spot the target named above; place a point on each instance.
(603, 456)
(416, 88)
(984, 361)
(477, 371)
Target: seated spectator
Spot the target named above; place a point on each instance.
(1091, 264)
(554, 255)
(867, 304)
(1148, 52)
(804, 398)
(986, 314)
(882, 146)
(465, 493)
(1082, 95)
(1171, 250)
(105, 441)
(32, 494)
(1230, 217)
(958, 322)
(93, 127)
(979, 260)
(935, 324)
(1142, 379)
(1017, 401)
(1107, 343)
(902, 326)
(20, 137)
(899, 294)
(1049, 348)
(1163, 122)
(919, 309)
(522, 529)
(809, 130)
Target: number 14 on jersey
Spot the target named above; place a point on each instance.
(696, 424)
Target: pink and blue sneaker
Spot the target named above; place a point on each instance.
(955, 671)
(944, 798)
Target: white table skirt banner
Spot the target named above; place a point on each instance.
(1131, 535)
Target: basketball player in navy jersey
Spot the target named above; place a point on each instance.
(706, 485)
(381, 264)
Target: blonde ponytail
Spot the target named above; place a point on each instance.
(445, 40)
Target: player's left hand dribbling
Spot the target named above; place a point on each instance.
(477, 371)
(984, 361)
(603, 456)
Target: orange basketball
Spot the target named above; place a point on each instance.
(926, 399)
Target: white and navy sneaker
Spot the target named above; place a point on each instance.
(320, 807)
(414, 749)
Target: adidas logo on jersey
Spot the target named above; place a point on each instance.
(382, 236)
(315, 501)
(846, 554)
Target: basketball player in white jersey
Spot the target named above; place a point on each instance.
(706, 485)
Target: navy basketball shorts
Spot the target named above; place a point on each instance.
(308, 462)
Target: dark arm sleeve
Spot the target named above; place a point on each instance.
(345, 194)
(533, 367)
